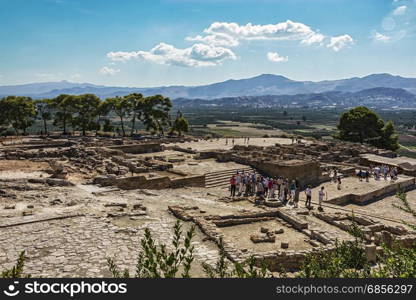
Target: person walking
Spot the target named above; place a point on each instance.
(308, 193)
(232, 185)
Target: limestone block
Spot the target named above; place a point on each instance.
(371, 253)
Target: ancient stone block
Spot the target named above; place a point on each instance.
(264, 230)
(371, 253)
(264, 238)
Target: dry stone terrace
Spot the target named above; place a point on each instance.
(73, 202)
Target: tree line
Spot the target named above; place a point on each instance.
(88, 113)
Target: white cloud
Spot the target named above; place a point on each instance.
(212, 47)
(337, 43)
(108, 71)
(275, 57)
(121, 56)
(313, 39)
(198, 55)
(401, 10)
(231, 34)
(215, 40)
(377, 36)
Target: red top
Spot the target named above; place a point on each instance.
(232, 181)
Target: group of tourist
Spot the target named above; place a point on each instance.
(378, 172)
(278, 188)
(287, 191)
(245, 141)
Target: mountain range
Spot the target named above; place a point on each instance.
(380, 97)
(262, 85)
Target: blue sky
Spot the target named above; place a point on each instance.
(191, 42)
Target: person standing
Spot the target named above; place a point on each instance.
(237, 183)
(335, 175)
(377, 173)
(297, 191)
(232, 186)
(265, 182)
(271, 188)
(259, 189)
(308, 193)
(243, 184)
(279, 185)
(292, 190)
(360, 175)
(339, 182)
(248, 186)
(285, 192)
(321, 196)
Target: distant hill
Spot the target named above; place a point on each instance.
(42, 87)
(374, 97)
(262, 85)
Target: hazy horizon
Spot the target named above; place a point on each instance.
(209, 83)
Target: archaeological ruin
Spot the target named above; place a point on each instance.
(72, 202)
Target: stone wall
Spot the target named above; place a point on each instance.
(391, 189)
(289, 260)
(139, 148)
(156, 183)
(181, 149)
(405, 168)
(190, 181)
(375, 234)
(307, 172)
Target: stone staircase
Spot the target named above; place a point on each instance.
(222, 178)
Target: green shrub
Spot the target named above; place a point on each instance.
(155, 261)
(17, 270)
